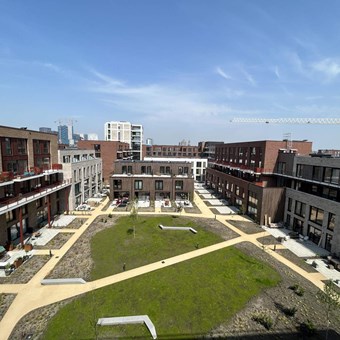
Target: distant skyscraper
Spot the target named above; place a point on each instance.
(127, 133)
(63, 134)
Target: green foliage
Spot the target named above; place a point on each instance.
(330, 295)
(298, 290)
(114, 246)
(263, 319)
(289, 311)
(179, 299)
(308, 328)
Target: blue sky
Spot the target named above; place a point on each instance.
(183, 69)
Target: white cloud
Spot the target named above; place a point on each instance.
(222, 73)
(277, 73)
(329, 67)
(249, 78)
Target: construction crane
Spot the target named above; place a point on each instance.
(287, 120)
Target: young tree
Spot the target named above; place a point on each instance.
(330, 296)
(134, 215)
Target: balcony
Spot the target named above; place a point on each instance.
(241, 167)
(8, 204)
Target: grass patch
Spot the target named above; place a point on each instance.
(183, 301)
(113, 247)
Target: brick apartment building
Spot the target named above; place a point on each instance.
(312, 200)
(242, 173)
(32, 189)
(152, 180)
(109, 152)
(185, 151)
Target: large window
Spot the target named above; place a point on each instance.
(316, 215)
(8, 147)
(290, 201)
(299, 170)
(117, 184)
(335, 179)
(179, 185)
(314, 234)
(317, 173)
(300, 208)
(138, 184)
(331, 221)
(328, 243)
(159, 185)
(298, 225)
(10, 215)
(21, 144)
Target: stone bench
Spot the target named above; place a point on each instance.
(124, 320)
(63, 281)
(178, 228)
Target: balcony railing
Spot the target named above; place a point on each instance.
(7, 176)
(22, 199)
(243, 167)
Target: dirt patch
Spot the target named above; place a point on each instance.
(274, 302)
(5, 301)
(57, 242)
(27, 270)
(75, 224)
(192, 210)
(77, 262)
(247, 227)
(267, 240)
(296, 260)
(215, 227)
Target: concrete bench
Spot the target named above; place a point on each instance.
(63, 281)
(124, 320)
(177, 228)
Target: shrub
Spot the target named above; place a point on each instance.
(289, 311)
(264, 320)
(308, 328)
(298, 290)
(110, 215)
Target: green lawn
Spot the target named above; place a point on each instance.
(115, 246)
(183, 301)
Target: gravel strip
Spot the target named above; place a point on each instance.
(27, 270)
(296, 260)
(247, 227)
(5, 302)
(57, 242)
(268, 240)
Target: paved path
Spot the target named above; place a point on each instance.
(33, 295)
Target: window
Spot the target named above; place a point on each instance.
(317, 173)
(300, 208)
(124, 169)
(117, 184)
(129, 169)
(186, 170)
(22, 147)
(180, 170)
(199, 164)
(138, 184)
(331, 221)
(159, 185)
(335, 176)
(148, 170)
(161, 170)
(314, 234)
(316, 215)
(299, 170)
(10, 215)
(167, 170)
(290, 201)
(328, 243)
(327, 175)
(8, 147)
(179, 185)
(143, 169)
(298, 226)
(46, 148)
(281, 168)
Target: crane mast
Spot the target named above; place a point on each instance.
(323, 121)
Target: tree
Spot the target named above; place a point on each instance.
(330, 296)
(134, 215)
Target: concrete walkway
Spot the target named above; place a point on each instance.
(33, 295)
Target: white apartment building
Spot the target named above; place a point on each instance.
(198, 165)
(127, 133)
(84, 170)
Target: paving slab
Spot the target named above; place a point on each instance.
(226, 210)
(322, 267)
